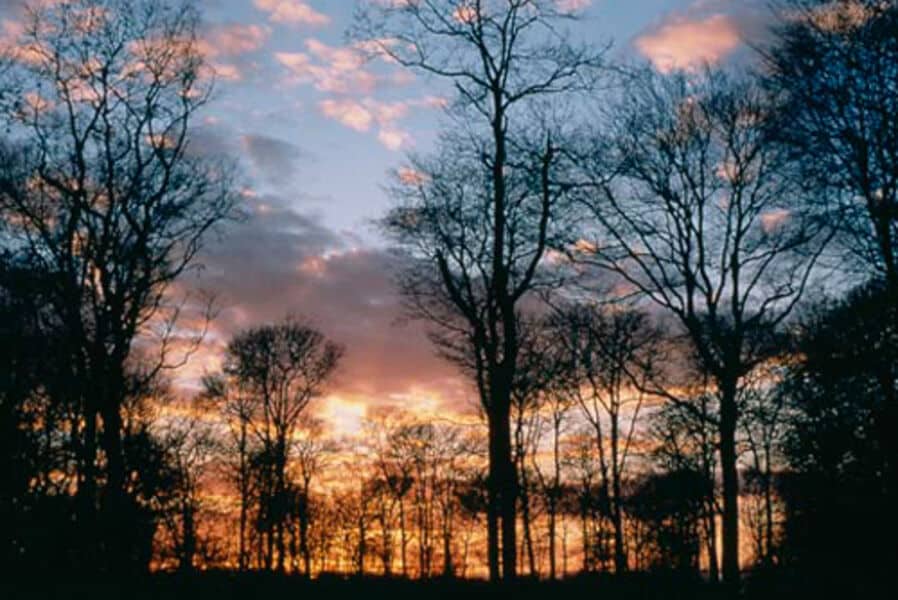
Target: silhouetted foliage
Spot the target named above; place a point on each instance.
(837, 490)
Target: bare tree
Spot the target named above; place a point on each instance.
(697, 210)
(311, 455)
(685, 438)
(190, 445)
(99, 188)
(236, 409)
(764, 430)
(610, 354)
(481, 227)
(281, 368)
(833, 66)
(557, 405)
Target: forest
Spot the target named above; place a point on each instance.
(671, 296)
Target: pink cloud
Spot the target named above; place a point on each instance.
(572, 6)
(683, 43)
(394, 139)
(338, 70)
(292, 12)
(350, 113)
(368, 113)
(234, 39)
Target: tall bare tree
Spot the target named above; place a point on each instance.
(834, 68)
(481, 227)
(99, 188)
(697, 209)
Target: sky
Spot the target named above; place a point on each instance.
(316, 129)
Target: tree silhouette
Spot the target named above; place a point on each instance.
(100, 192)
(480, 222)
(834, 69)
(610, 356)
(280, 368)
(698, 211)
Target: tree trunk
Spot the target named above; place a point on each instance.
(711, 528)
(304, 535)
(87, 488)
(402, 537)
(729, 467)
(448, 570)
(243, 559)
(493, 504)
(508, 495)
(563, 547)
(768, 507)
(552, 573)
(525, 518)
(188, 536)
(584, 534)
(360, 565)
(620, 554)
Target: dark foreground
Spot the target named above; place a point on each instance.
(232, 586)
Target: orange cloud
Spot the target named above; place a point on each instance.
(683, 43)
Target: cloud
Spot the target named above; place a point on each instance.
(282, 262)
(275, 160)
(351, 113)
(292, 12)
(234, 39)
(572, 6)
(364, 114)
(338, 70)
(686, 42)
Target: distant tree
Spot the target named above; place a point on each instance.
(685, 438)
(99, 190)
(281, 368)
(190, 445)
(610, 355)
(395, 469)
(478, 225)
(311, 455)
(557, 407)
(539, 369)
(236, 409)
(585, 494)
(670, 503)
(764, 430)
(699, 210)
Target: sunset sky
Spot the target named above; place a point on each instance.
(316, 129)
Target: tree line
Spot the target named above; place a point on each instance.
(674, 296)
